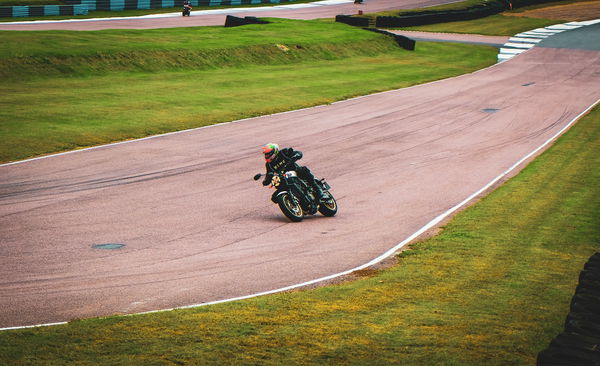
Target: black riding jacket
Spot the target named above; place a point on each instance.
(283, 162)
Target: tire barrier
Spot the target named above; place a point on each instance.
(426, 17)
(579, 343)
(404, 42)
(354, 21)
(433, 17)
(231, 21)
(42, 10)
(82, 7)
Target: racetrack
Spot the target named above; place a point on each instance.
(197, 228)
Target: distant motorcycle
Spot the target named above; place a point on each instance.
(186, 10)
(296, 198)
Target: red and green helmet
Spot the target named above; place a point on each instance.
(270, 151)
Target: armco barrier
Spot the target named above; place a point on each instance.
(42, 10)
(81, 7)
(579, 343)
(117, 5)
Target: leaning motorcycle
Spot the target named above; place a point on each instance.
(296, 198)
(186, 10)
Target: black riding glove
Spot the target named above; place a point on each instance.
(268, 179)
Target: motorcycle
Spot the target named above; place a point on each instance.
(186, 10)
(297, 198)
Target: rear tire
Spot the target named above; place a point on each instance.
(328, 208)
(290, 209)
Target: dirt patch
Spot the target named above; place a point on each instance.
(572, 12)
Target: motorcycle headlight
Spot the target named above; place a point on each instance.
(275, 181)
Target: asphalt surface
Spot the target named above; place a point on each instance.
(324, 9)
(197, 228)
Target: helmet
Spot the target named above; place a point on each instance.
(270, 151)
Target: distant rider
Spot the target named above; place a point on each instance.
(187, 4)
(284, 160)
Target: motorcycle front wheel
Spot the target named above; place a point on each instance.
(328, 207)
(290, 208)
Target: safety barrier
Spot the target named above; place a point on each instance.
(433, 17)
(579, 343)
(233, 21)
(402, 41)
(350, 20)
(81, 7)
(117, 5)
(426, 17)
(42, 10)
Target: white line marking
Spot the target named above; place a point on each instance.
(34, 326)
(415, 235)
(225, 123)
(383, 256)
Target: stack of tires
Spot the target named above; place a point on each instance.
(579, 344)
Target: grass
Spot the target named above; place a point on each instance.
(494, 25)
(75, 96)
(492, 289)
(459, 5)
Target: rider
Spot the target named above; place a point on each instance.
(187, 4)
(283, 160)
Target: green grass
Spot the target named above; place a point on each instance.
(461, 5)
(97, 45)
(66, 90)
(492, 289)
(495, 25)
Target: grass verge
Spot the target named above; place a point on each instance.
(131, 84)
(511, 22)
(494, 25)
(492, 289)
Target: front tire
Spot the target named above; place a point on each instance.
(289, 207)
(328, 208)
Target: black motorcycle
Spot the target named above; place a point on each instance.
(186, 10)
(296, 198)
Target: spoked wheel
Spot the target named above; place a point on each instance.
(290, 208)
(329, 207)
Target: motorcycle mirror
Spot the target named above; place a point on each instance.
(257, 176)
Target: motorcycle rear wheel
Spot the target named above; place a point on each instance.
(328, 208)
(290, 209)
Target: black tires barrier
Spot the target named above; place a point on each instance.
(579, 343)
(404, 42)
(426, 17)
(6, 12)
(232, 21)
(41, 10)
(433, 17)
(354, 21)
